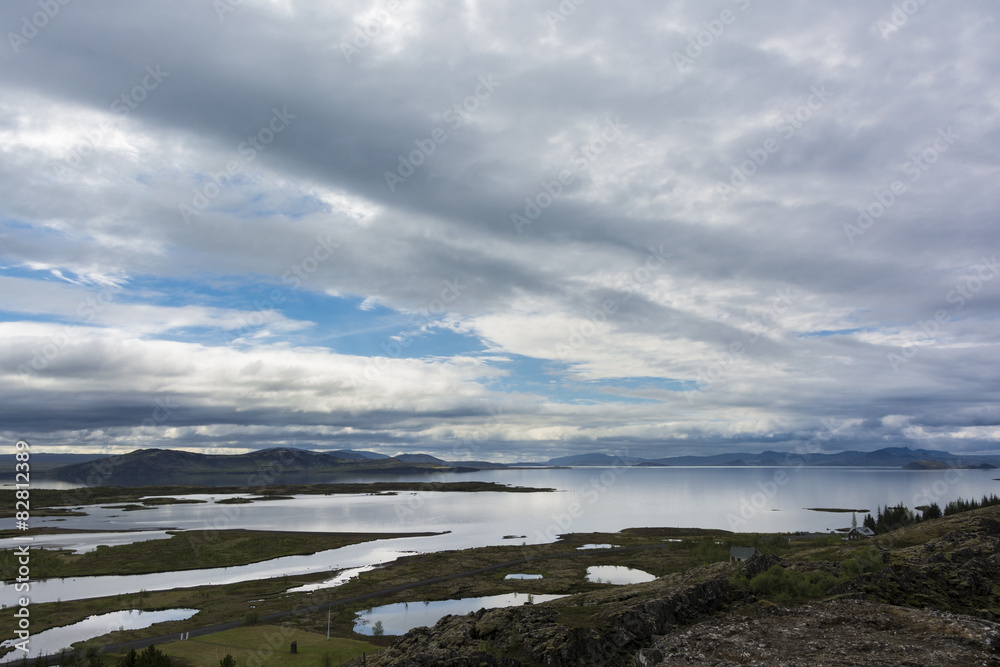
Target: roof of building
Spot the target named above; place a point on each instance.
(742, 552)
(864, 530)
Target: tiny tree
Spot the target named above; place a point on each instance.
(377, 629)
(227, 661)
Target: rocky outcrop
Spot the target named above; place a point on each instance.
(959, 571)
(831, 634)
(615, 625)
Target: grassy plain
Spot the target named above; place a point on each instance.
(187, 550)
(267, 645)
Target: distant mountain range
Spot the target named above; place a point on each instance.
(891, 457)
(159, 463)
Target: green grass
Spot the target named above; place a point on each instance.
(189, 550)
(267, 646)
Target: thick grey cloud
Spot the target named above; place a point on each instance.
(741, 141)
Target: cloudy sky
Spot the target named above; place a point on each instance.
(499, 229)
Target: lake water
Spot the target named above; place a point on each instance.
(588, 499)
(617, 575)
(54, 640)
(401, 617)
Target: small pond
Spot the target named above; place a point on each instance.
(523, 576)
(616, 574)
(597, 546)
(400, 618)
(54, 640)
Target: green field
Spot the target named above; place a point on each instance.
(267, 646)
(187, 550)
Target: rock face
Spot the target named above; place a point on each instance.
(959, 571)
(620, 623)
(832, 634)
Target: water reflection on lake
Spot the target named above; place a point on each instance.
(589, 500)
(52, 641)
(80, 543)
(616, 574)
(400, 618)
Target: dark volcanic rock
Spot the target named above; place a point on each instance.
(832, 634)
(623, 620)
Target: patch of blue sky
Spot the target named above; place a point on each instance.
(435, 342)
(831, 332)
(554, 380)
(253, 205)
(336, 322)
(19, 271)
(294, 208)
(43, 318)
(13, 223)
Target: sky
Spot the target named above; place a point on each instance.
(500, 229)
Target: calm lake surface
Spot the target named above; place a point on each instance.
(588, 499)
(401, 617)
(54, 640)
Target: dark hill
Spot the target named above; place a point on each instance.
(354, 455)
(420, 458)
(156, 466)
(151, 462)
